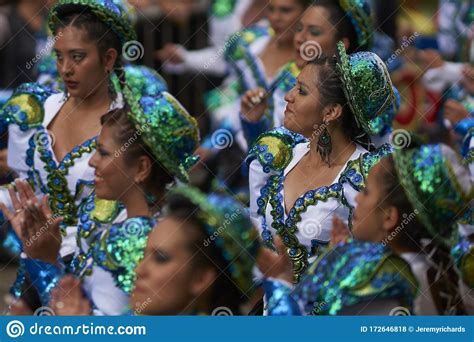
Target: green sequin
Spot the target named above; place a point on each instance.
(367, 85)
(433, 190)
(223, 8)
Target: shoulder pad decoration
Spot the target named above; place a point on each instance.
(274, 149)
(26, 106)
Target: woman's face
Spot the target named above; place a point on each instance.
(283, 16)
(79, 63)
(368, 219)
(314, 35)
(303, 110)
(166, 275)
(114, 176)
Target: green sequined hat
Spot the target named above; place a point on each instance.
(229, 227)
(167, 129)
(367, 85)
(111, 12)
(438, 186)
(360, 13)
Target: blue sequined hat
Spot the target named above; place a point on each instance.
(360, 13)
(384, 122)
(353, 273)
(112, 12)
(229, 227)
(367, 85)
(167, 129)
(141, 80)
(438, 186)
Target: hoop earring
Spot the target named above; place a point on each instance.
(324, 146)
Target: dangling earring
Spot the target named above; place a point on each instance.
(324, 146)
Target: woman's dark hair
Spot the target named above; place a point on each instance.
(304, 3)
(331, 91)
(341, 21)
(224, 291)
(411, 233)
(83, 18)
(126, 134)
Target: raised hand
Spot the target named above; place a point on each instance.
(42, 230)
(253, 104)
(19, 199)
(67, 298)
(340, 232)
(455, 111)
(34, 223)
(276, 265)
(170, 53)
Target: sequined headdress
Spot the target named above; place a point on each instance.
(112, 12)
(367, 85)
(229, 227)
(360, 13)
(167, 129)
(438, 186)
